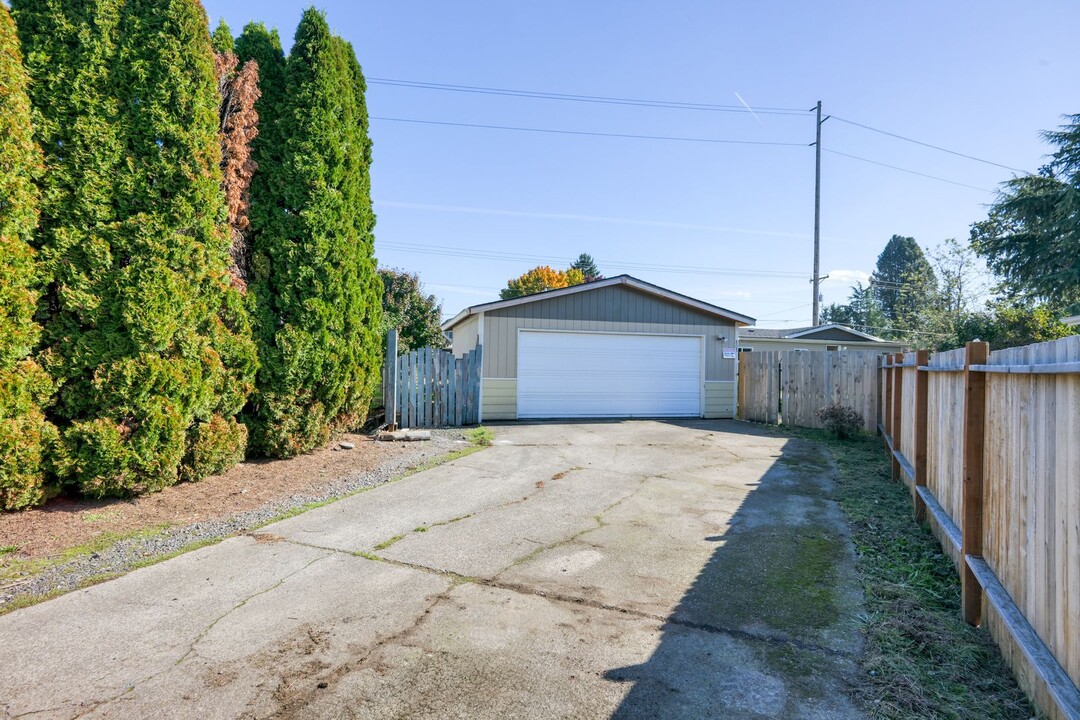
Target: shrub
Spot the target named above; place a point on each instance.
(843, 422)
(313, 279)
(24, 387)
(214, 446)
(143, 330)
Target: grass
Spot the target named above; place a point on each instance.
(387, 543)
(14, 569)
(22, 601)
(9, 549)
(920, 660)
(481, 436)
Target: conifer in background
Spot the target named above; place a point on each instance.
(144, 332)
(315, 289)
(24, 387)
(263, 47)
(222, 40)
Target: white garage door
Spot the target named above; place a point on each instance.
(564, 375)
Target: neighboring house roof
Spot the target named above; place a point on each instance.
(1072, 320)
(808, 333)
(627, 280)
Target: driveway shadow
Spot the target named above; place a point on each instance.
(769, 628)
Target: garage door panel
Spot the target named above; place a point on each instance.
(607, 375)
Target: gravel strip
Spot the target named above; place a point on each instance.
(125, 554)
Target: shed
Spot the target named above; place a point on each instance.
(619, 347)
(822, 337)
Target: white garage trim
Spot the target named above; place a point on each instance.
(586, 373)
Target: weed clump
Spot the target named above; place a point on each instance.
(841, 421)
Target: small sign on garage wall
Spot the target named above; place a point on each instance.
(729, 353)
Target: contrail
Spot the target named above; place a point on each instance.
(750, 109)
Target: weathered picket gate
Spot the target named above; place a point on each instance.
(429, 387)
(790, 386)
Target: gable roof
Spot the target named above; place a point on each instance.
(807, 333)
(629, 281)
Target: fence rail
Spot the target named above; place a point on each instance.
(989, 443)
(430, 387)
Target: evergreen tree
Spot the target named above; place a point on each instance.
(313, 274)
(587, 266)
(148, 339)
(1032, 235)
(861, 312)
(222, 39)
(263, 46)
(904, 283)
(24, 386)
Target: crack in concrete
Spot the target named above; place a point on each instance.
(28, 713)
(284, 708)
(191, 647)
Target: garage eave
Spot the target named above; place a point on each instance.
(640, 285)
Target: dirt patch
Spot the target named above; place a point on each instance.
(64, 523)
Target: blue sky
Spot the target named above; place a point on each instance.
(981, 78)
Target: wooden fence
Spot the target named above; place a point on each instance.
(432, 388)
(759, 386)
(989, 443)
(790, 386)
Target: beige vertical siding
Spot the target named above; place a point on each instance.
(611, 309)
(465, 335)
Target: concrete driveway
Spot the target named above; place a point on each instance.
(630, 570)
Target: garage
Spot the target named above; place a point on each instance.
(588, 375)
(617, 347)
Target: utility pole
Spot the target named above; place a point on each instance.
(817, 221)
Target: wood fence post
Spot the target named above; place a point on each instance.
(740, 385)
(390, 395)
(976, 353)
(897, 414)
(886, 383)
(922, 398)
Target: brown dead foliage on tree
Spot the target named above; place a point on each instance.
(239, 90)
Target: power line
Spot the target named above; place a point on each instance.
(598, 99)
(669, 138)
(670, 104)
(778, 312)
(447, 251)
(587, 133)
(905, 170)
(926, 144)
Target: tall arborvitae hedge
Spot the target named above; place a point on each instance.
(24, 386)
(145, 335)
(313, 275)
(263, 47)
